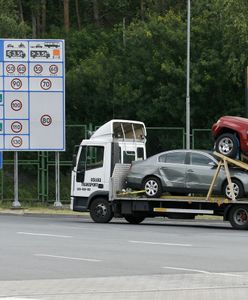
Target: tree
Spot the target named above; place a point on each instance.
(66, 15)
(11, 24)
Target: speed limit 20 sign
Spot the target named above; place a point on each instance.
(32, 95)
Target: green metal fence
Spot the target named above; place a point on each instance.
(37, 169)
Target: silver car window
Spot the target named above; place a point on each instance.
(200, 159)
(173, 157)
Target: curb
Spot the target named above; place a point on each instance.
(23, 212)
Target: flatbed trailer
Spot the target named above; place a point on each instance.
(100, 168)
(135, 207)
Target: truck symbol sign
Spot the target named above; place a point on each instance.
(15, 53)
(39, 53)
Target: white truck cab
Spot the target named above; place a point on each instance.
(117, 141)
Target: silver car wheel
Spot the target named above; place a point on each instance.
(235, 191)
(225, 146)
(151, 187)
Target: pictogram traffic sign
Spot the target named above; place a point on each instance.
(32, 96)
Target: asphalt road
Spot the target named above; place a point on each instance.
(74, 258)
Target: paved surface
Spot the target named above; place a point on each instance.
(72, 258)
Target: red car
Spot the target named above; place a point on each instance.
(231, 136)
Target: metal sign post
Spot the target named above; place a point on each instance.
(188, 82)
(57, 202)
(246, 93)
(16, 203)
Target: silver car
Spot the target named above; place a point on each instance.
(180, 172)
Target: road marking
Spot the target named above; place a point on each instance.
(163, 244)
(67, 257)
(184, 269)
(44, 234)
(11, 298)
(202, 271)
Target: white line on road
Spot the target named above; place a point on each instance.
(163, 244)
(190, 270)
(202, 271)
(44, 234)
(11, 298)
(67, 257)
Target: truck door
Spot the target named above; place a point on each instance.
(90, 173)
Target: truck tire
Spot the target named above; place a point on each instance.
(238, 217)
(228, 145)
(152, 187)
(134, 219)
(100, 210)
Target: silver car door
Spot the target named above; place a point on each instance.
(200, 171)
(172, 169)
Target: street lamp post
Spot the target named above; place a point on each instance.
(188, 82)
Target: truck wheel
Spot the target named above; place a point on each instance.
(238, 189)
(100, 211)
(238, 217)
(227, 144)
(134, 219)
(152, 187)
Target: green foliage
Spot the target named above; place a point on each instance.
(132, 63)
(10, 25)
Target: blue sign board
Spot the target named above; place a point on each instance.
(32, 95)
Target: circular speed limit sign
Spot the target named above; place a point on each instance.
(10, 68)
(38, 69)
(16, 127)
(53, 69)
(16, 83)
(45, 84)
(16, 141)
(46, 120)
(16, 105)
(21, 69)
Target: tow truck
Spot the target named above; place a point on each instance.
(101, 165)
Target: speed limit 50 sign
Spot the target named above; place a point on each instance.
(32, 95)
